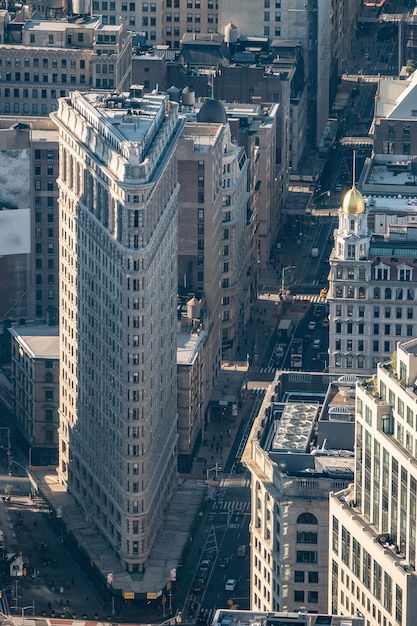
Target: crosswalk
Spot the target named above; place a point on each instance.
(312, 298)
(258, 391)
(238, 508)
(268, 370)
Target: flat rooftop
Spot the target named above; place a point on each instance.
(131, 123)
(188, 344)
(40, 342)
(225, 617)
(60, 25)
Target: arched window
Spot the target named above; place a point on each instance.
(350, 291)
(398, 293)
(352, 224)
(377, 293)
(388, 293)
(48, 377)
(362, 293)
(307, 518)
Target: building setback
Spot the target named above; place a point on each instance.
(118, 252)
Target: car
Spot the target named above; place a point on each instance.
(205, 564)
(316, 344)
(241, 550)
(338, 187)
(198, 587)
(325, 322)
(223, 563)
(312, 325)
(307, 338)
(230, 584)
(319, 310)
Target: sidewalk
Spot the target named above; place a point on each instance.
(53, 581)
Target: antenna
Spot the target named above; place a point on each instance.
(353, 169)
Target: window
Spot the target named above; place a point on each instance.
(298, 595)
(313, 596)
(307, 518)
(351, 251)
(377, 293)
(298, 576)
(49, 395)
(404, 274)
(306, 556)
(313, 577)
(306, 537)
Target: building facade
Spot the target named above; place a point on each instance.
(29, 157)
(118, 190)
(42, 60)
(372, 545)
(35, 379)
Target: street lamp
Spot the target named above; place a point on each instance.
(31, 606)
(284, 269)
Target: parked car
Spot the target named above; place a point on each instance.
(197, 587)
(316, 344)
(312, 325)
(230, 584)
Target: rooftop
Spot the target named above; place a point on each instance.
(62, 25)
(188, 344)
(39, 342)
(290, 429)
(224, 617)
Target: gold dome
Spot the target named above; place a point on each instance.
(353, 202)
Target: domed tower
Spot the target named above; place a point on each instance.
(352, 237)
